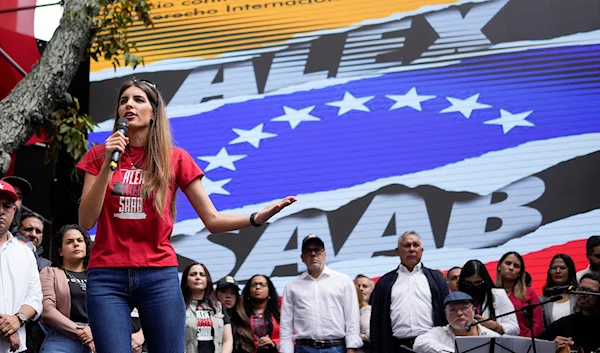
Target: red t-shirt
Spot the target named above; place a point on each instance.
(130, 232)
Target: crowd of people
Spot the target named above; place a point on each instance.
(126, 295)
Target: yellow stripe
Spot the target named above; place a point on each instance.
(258, 25)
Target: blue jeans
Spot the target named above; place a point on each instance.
(308, 349)
(56, 342)
(113, 292)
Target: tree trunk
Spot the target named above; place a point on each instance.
(35, 97)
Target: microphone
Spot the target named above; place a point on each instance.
(122, 127)
(468, 326)
(552, 291)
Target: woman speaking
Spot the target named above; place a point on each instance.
(133, 263)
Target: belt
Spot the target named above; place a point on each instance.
(320, 343)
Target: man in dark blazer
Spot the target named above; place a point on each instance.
(407, 301)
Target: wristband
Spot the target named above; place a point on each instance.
(252, 221)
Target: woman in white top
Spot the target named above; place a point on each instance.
(488, 301)
(560, 273)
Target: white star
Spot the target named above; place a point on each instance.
(509, 121)
(465, 106)
(215, 187)
(295, 117)
(253, 136)
(410, 99)
(351, 103)
(222, 159)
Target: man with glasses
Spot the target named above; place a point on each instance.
(21, 291)
(32, 228)
(581, 328)
(592, 252)
(458, 308)
(407, 301)
(319, 308)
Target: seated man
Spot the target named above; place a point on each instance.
(579, 329)
(458, 308)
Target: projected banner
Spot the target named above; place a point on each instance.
(460, 121)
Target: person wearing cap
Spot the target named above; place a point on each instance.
(32, 228)
(458, 308)
(22, 189)
(407, 301)
(319, 306)
(228, 293)
(21, 290)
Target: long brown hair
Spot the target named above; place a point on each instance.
(157, 166)
(520, 286)
(240, 324)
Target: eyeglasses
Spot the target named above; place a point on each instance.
(586, 290)
(556, 268)
(317, 251)
(258, 284)
(478, 284)
(462, 308)
(30, 229)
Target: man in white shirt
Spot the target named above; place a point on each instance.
(407, 301)
(320, 306)
(458, 308)
(20, 289)
(592, 252)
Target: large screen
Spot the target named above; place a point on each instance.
(474, 123)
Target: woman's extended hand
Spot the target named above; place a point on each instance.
(273, 209)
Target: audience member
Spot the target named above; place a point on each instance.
(458, 308)
(488, 301)
(365, 322)
(528, 279)
(64, 289)
(228, 293)
(510, 275)
(22, 188)
(21, 291)
(452, 278)
(592, 252)
(207, 325)
(319, 306)
(262, 307)
(579, 329)
(560, 273)
(407, 301)
(32, 228)
(365, 285)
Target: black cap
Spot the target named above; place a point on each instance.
(227, 281)
(19, 182)
(312, 238)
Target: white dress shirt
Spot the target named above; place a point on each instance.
(411, 310)
(441, 339)
(583, 272)
(502, 305)
(19, 284)
(322, 308)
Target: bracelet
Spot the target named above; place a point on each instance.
(252, 221)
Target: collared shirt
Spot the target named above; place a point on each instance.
(411, 310)
(582, 273)
(441, 339)
(19, 284)
(320, 308)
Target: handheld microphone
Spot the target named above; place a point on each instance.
(552, 291)
(122, 127)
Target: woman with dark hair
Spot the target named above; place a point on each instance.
(510, 275)
(228, 293)
(64, 289)
(488, 301)
(133, 202)
(561, 272)
(264, 310)
(207, 325)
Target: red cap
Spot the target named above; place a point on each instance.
(6, 188)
